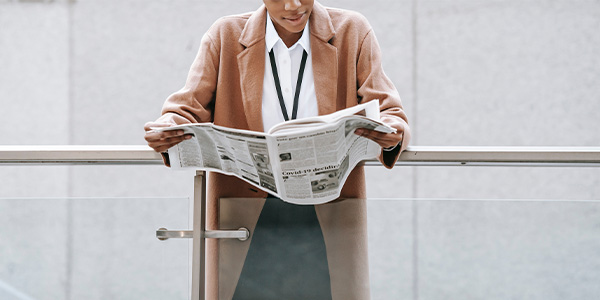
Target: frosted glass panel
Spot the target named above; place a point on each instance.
(484, 249)
(92, 248)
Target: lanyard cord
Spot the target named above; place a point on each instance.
(278, 87)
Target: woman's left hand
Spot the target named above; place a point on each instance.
(385, 140)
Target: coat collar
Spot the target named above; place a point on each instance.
(254, 30)
(324, 59)
(321, 26)
(251, 63)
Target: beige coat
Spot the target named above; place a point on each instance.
(224, 86)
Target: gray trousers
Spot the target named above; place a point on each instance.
(287, 258)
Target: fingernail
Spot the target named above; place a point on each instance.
(359, 131)
(187, 137)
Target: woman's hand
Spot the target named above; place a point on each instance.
(160, 141)
(385, 140)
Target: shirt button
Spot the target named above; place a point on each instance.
(287, 90)
(285, 61)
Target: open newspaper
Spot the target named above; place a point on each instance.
(303, 161)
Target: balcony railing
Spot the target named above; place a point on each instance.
(414, 156)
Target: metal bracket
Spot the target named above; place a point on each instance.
(241, 234)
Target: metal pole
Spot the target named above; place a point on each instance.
(199, 246)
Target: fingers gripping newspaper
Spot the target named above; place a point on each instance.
(303, 161)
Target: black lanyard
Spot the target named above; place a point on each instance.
(278, 87)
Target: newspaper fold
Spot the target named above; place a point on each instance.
(303, 161)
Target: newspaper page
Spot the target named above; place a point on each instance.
(307, 163)
(369, 109)
(240, 153)
(315, 165)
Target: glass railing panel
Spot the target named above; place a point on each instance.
(92, 180)
(34, 181)
(484, 249)
(391, 248)
(426, 249)
(130, 180)
(484, 182)
(92, 248)
(294, 251)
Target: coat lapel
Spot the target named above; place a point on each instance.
(324, 59)
(251, 65)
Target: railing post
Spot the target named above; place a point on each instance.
(198, 243)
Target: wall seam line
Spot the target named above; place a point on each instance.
(415, 223)
(69, 275)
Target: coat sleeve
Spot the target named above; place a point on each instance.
(194, 103)
(374, 84)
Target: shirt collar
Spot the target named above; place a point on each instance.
(272, 37)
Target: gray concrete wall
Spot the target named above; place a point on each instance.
(506, 73)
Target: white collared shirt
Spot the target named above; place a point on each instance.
(288, 64)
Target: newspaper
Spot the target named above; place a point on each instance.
(303, 161)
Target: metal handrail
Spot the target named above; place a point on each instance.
(77, 154)
(413, 156)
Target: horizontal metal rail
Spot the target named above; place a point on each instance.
(414, 156)
(241, 234)
(75, 154)
(498, 156)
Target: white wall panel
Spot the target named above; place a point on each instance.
(512, 73)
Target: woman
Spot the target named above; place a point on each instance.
(234, 82)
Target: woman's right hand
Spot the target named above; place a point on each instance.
(160, 141)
